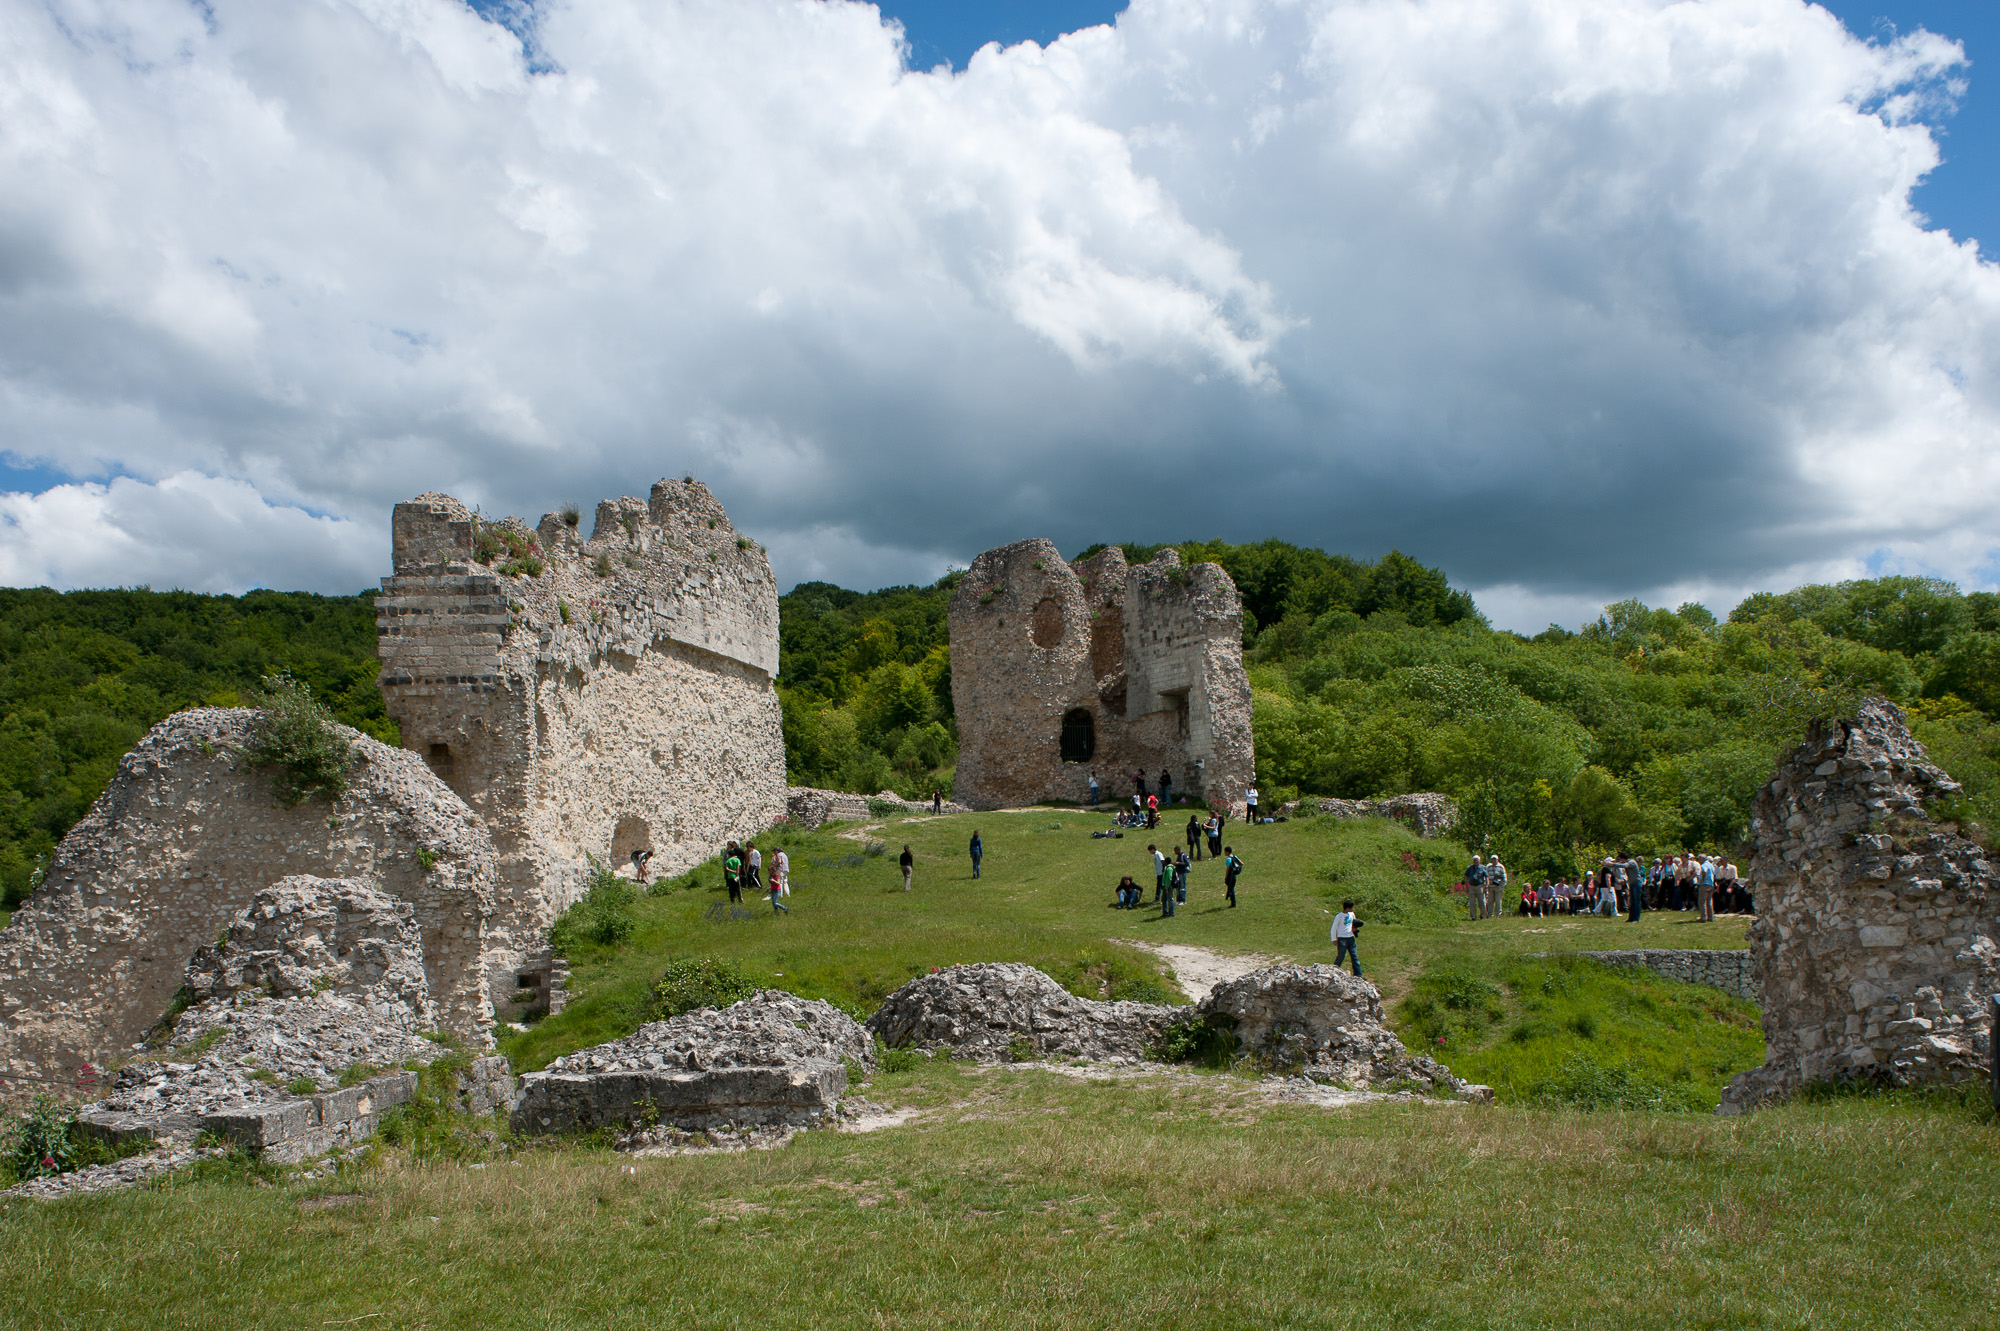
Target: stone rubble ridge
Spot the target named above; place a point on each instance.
(1314, 1020)
(1428, 813)
(988, 1011)
(810, 807)
(771, 1060)
(1874, 943)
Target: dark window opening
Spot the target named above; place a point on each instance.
(440, 760)
(1079, 735)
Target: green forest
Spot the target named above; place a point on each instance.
(1650, 727)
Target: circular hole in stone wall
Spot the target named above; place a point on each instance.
(1046, 628)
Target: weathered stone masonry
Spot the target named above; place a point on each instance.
(1059, 670)
(620, 698)
(1726, 969)
(182, 840)
(1875, 938)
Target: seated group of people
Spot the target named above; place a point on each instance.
(1707, 883)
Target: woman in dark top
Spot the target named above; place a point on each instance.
(908, 861)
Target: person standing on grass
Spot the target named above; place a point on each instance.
(1607, 896)
(937, 799)
(1496, 885)
(1705, 888)
(1139, 786)
(1095, 793)
(1152, 811)
(781, 873)
(1166, 786)
(1250, 805)
(732, 871)
(909, 863)
(1194, 837)
(1159, 872)
(977, 849)
(1475, 887)
(753, 871)
(778, 886)
(1345, 930)
(1638, 897)
(1180, 875)
(1214, 835)
(1231, 866)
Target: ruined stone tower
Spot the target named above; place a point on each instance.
(1058, 670)
(587, 696)
(1875, 940)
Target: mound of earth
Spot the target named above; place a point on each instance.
(772, 1058)
(996, 1011)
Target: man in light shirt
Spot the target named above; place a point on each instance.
(1345, 926)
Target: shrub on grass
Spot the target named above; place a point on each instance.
(1192, 1040)
(296, 736)
(602, 915)
(698, 982)
(895, 1060)
(40, 1145)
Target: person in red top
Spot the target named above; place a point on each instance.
(1152, 810)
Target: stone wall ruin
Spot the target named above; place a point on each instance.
(186, 835)
(1062, 669)
(587, 695)
(1875, 940)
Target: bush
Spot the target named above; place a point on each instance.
(603, 915)
(1192, 1040)
(698, 982)
(40, 1145)
(881, 808)
(895, 1060)
(296, 735)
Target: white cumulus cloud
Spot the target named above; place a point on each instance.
(1577, 298)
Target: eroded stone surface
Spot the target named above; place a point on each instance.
(1874, 944)
(998, 1011)
(305, 935)
(771, 1059)
(183, 839)
(596, 695)
(1427, 813)
(1322, 1023)
(1149, 660)
(1728, 970)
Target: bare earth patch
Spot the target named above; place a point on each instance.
(1199, 969)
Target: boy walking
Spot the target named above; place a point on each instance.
(1231, 866)
(1345, 927)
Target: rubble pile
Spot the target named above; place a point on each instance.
(997, 1011)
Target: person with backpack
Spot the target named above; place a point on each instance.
(1231, 866)
(1180, 875)
(977, 849)
(909, 863)
(1346, 928)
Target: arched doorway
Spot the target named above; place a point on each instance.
(1079, 735)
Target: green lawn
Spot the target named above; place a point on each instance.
(1027, 1199)
(1045, 897)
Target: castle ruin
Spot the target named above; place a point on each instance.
(1874, 946)
(587, 696)
(1061, 669)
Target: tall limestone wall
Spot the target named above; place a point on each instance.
(1874, 945)
(587, 695)
(182, 840)
(1059, 670)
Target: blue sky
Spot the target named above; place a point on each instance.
(1962, 196)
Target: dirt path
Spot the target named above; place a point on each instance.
(1200, 969)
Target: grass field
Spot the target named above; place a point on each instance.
(1023, 1198)
(1045, 897)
